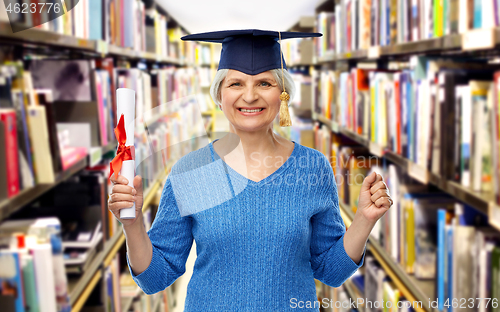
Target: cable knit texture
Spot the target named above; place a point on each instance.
(258, 250)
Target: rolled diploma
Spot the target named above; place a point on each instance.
(125, 104)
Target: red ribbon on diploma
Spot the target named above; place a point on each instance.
(123, 153)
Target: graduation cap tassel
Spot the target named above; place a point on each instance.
(284, 113)
(285, 120)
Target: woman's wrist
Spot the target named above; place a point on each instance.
(136, 227)
(364, 223)
(356, 236)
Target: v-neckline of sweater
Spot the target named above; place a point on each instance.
(267, 179)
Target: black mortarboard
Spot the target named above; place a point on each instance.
(251, 51)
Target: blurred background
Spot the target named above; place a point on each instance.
(409, 89)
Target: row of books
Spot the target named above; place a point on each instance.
(442, 115)
(119, 22)
(169, 110)
(55, 112)
(291, 50)
(371, 291)
(206, 75)
(34, 274)
(208, 54)
(429, 234)
(41, 105)
(351, 164)
(185, 51)
(42, 249)
(380, 292)
(119, 285)
(159, 90)
(124, 23)
(360, 24)
(302, 99)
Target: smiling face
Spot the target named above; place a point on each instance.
(250, 102)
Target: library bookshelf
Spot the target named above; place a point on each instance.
(37, 41)
(411, 288)
(81, 288)
(343, 54)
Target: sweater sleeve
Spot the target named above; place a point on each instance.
(171, 237)
(329, 260)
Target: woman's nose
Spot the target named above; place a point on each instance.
(250, 95)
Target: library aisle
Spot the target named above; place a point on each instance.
(407, 89)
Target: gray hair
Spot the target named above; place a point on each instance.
(215, 88)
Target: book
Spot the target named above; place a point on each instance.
(45, 99)
(11, 282)
(426, 234)
(444, 217)
(374, 279)
(82, 237)
(43, 165)
(8, 117)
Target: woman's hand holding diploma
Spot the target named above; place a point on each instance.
(123, 196)
(374, 201)
(139, 248)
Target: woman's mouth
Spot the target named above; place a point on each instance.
(254, 110)
(251, 111)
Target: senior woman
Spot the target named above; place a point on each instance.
(263, 210)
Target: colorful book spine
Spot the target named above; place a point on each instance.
(410, 237)
(8, 117)
(441, 254)
(495, 276)
(438, 18)
(449, 263)
(478, 14)
(11, 282)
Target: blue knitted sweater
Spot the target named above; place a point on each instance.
(259, 245)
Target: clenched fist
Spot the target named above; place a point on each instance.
(374, 198)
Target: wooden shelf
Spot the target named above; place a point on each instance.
(40, 37)
(332, 125)
(81, 289)
(478, 200)
(445, 44)
(128, 53)
(13, 204)
(410, 287)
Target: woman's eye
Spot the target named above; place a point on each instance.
(236, 84)
(266, 84)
